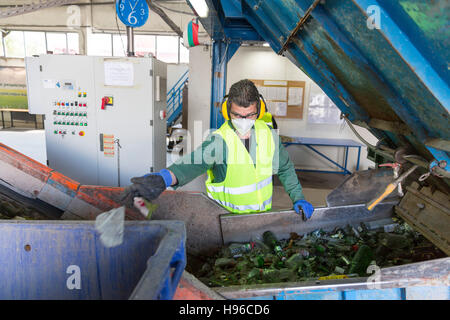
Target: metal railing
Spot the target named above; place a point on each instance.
(175, 99)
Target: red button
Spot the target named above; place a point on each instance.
(84, 104)
(81, 133)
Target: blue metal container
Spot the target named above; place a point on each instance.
(66, 260)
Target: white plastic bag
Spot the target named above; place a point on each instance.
(110, 225)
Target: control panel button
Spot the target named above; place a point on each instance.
(81, 133)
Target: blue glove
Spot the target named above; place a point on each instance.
(165, 174)
(304, 205)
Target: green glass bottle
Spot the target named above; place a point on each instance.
(271, 241)
(361, 260)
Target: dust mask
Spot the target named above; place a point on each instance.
(243, 126)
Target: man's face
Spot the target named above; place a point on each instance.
(237, 112)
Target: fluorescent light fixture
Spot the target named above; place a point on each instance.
(200, 7)
(265, 44)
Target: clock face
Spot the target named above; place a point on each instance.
(133, 13)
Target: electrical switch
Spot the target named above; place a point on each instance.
(81, 133)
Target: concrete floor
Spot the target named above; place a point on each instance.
(316, 187)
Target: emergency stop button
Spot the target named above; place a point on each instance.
(81, 133)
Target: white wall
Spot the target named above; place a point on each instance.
(199, 103)
(263, 63)
(199, 98)
(174, 72)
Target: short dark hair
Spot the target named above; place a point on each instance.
(243, 93)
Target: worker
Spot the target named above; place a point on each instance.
(239, 159)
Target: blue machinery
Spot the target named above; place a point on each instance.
(383, 63)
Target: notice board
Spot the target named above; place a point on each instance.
(284, 98)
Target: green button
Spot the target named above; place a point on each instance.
(59, 122)
(76, 113)
(55, 122)
(55, 132)
(71, 113)
(76, 123)
(64, 122)
(85, 124)
(59, 113)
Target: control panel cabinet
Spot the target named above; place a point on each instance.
(104, 117)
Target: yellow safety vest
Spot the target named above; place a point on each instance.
(267, 118)
(247, 188)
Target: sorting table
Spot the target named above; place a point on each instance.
(325, 142)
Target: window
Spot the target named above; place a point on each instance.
(120, 45)
(99, 44)
(144, 45)
(73, 45)
(167, 49)
(184, 53)
(14, 45)
(34, 43)
(56, 42)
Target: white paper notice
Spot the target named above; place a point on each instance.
(276, 93)
(295, 96)
(49, 83)
(281, 109)
(119, 74)
(275, 83)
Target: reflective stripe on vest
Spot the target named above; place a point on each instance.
(245, 208)
(246, 187)
(241, 190)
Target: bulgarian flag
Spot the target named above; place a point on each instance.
(190, 35)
